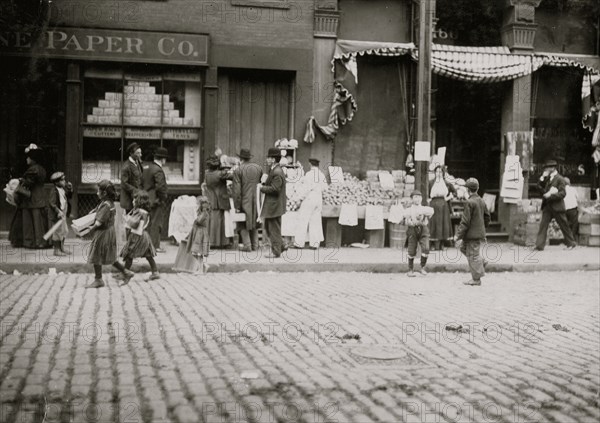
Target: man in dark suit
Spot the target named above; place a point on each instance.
(471, 232)
(155, 183)
(274, 204)
(245, 179)
(552, 186)
(131, 176)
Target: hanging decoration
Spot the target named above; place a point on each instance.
(473, 64)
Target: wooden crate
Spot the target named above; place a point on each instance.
(592, 229)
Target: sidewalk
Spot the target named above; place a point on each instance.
(501, 258)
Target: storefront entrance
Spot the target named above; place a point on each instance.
(256, 108)
(468, 123)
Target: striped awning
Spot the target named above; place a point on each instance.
(465, 63)
(479, 64)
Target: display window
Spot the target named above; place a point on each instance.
(154, 110)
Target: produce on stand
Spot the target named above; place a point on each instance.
(589, 225)
(361, 193)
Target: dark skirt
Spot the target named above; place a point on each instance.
(28, 228)
(217, 229)
(138, 246)
(440, 224)
(198, 243)
(103, 249)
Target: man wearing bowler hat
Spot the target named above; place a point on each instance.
(552, 186)
(245, 179)
(131, 176)
(155, 183)
(274, 204)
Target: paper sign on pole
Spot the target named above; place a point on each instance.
(336, 174)
(422, 150)
(442, 155)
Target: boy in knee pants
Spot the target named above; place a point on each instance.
(471, 232)
(416, 217)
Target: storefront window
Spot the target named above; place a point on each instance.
(152, 110)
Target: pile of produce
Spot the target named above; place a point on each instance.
(594, 209)
(354, 191)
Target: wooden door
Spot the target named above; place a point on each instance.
(255, 110)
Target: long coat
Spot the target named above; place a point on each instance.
(131, 181)
(556, 200)
(54, 203)
(245, 179)
(216, 184)
(275, 197)
(311, 187)
(474, 220)
(154, 182)
(33, 179)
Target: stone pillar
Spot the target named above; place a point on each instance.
(326, 21)
(518, 29)
(518, 33)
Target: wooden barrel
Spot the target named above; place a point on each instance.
(397, 235)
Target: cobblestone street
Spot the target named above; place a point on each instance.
(311, 347)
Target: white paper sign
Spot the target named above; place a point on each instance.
(422, 150)
(336, 174)
(442, 155)
(386, 181)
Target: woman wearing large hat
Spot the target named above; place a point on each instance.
(30, 222)
(218, 196)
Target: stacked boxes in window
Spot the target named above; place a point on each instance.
(191, 169)
(108, 111)
(142, 104)
(173, 172)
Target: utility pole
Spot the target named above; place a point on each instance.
(426, 12)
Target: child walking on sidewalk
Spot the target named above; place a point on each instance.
(416, 217)
(198, 243)
(103, 249)
(59, 208)
(138, 242)
(471, 232)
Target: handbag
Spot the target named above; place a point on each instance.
(23, 191)
(235, 216)
(229, 227)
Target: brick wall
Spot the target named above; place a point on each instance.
(227, 24)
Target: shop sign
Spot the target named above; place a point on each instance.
(102, 132)
(143, 133)
(180, 134)
(108, 44)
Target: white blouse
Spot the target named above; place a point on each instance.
(439, 189)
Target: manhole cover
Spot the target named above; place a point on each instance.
(377, 356)
(379, 352)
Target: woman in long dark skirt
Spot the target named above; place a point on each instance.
(30, 221)
(440, 225)
(216, 191)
